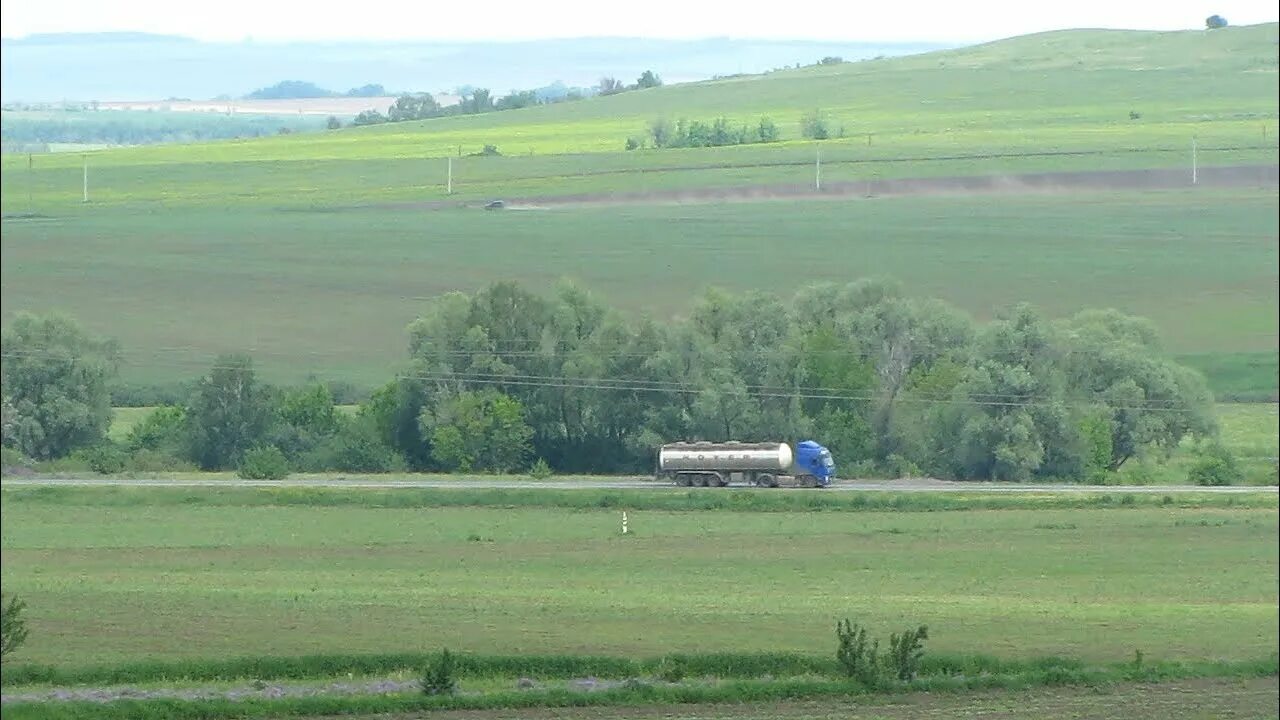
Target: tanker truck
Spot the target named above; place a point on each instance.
(707, 464)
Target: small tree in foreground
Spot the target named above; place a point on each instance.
(905, 651)
(438, 679)
(13, 628)
(859, 660)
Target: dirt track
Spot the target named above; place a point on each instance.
(1239, 176)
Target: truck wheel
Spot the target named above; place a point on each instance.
(683, 480)
(766, 480)
(700, 480)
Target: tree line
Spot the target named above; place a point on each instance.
(423, 106)
(503, 378)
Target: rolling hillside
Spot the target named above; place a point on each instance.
(272, 245)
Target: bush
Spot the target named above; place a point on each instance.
(634, 143)
(161, 429)
(105, 459)
(905, 651)
(12, 459)
(264, 463)
(13, 628)
(154, 461)
(540, 470)
(1216, 466)
(857, 659)
(358, 448)
(439, 678)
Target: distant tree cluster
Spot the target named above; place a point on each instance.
(613, 86)
(298, 89)
(34, 132)
(695, 133)
(503, 378)
(423, 106)
(1214, 22)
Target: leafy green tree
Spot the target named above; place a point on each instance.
(648, 79)
(1115, 361)
(1214, 22)
(479, 431)
(55, 382)
(161, 430)
(767, 131)
(13, 627)
(1011, 401)
(417, 106)
(814, 126)
(229, 414)
(393, 413)
(311, 409)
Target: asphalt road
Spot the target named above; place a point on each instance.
(913, 485)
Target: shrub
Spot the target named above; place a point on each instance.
(105, 459)
(857, 659)
(162, 428)
(634, 143)
(1216, 466)
(905, 651)
(154, 461)
(12, 459)
(13, 628)
(540, 470)
(438, 679)
(264, 463)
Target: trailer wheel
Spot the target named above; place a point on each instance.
(700, 480)
(683, 480)
(766, 480)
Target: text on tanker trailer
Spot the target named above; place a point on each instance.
(762, 464)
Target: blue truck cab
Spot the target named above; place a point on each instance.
(815, 460)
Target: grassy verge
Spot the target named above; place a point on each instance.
(636, 691)
(660, 499)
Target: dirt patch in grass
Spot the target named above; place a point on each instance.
(1239, 176)
(1223, 699)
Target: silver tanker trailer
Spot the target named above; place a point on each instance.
(761, 464)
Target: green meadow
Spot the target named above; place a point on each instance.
(330, 293)
(109, 583)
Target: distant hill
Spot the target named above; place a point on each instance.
(140, 66)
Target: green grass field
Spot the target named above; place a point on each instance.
(111, 583)
(1072, 91)
(271, 246)
(330, 293)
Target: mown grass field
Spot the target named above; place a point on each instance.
(330, 293)
(111, 582)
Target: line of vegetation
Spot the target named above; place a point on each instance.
(504, 380)
(664, 500)
(638, 690)
(477, 101)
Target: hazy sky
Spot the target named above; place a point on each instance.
(939, 20)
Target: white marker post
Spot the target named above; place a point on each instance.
(86, 178)
(817, 171)
(624, 522)
(449, 181)
(1193, 161)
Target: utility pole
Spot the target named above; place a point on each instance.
(86, 178)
